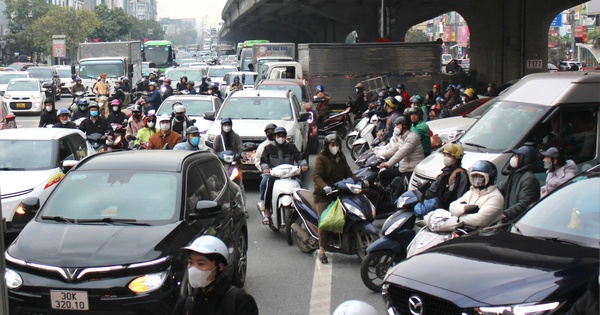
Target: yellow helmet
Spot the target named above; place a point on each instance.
(454, 149)
(470, 92)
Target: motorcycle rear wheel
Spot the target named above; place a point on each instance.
(349, 141)
(303, 247)
(375, 266)
(357, 150)
(362, 241)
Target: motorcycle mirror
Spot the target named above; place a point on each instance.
(131, 137)
(208, 144)
(193, 121)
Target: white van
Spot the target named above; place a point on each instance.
(546, 109)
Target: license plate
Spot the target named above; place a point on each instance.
(69, 300)
(20, 105)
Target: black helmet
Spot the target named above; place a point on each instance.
(417, 111)
(486, 169)
(401, 86)
(402, 121)
(183, 77)
(528, 153)
(226, 120)
(270, 126)
(136, 108)
(332, 137)
(279, 130)
(192, 83)
(49, 100)
(212, 86)
(192, 129)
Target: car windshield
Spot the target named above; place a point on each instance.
(219, 72)
(513, 120)
(5, 78)
(39, 73)
(64, 73)
(192, 74)
(192, 107)
(256, 108)
(298, 90)
(15, 85)
(26, 155)
(572, 213)
(119, 194)
(93, 69)
(482, 109)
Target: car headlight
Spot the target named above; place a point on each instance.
(148, 283)
(13, 279)
(35, 95)
(354, 210)
(6, 95)
(522, 309)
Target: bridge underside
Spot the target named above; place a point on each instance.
(504, 34)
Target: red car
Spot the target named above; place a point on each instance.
(7, 118)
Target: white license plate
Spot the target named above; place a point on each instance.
(69, 300)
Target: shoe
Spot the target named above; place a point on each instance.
(266, 220)
(323, 258)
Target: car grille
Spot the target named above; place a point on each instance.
(399, 297)
(16, 194)
(420, 178)
(25, 106)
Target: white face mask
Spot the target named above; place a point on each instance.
(397, 131)
(334, 150)
(280, 140)
(514, 162)
(226, 128)
(478, 182)
(64, 122)
(115, 108)
(150, 125)
(448, 160)
(165, 126)
(48, 108)
(199, 278)
(548, 165)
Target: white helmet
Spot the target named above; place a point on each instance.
(164, 117)
(179, 109)
(208, 244)
(399, 98)
(355, 307)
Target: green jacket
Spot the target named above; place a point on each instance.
(327, 171)
(144, 134)
(520, 190)
(422, 130)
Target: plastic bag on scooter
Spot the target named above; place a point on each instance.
(423, 208)
(333, 218)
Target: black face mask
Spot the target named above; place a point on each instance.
(179, 118)
(270, 137)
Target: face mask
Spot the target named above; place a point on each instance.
(195, 140)
(64, 122)
(165, 126)
(115, 108)
(137, 115)
(548, 165)
(199, 278)
(150, 125)
(478, 182)
(280, 140)
(270, 137)
(48, 108)
(448, 160)
(94, 113)
(82, 108)
(397, 131)
(226, 129)
(514, 162)
(179, 118)
(334, 150)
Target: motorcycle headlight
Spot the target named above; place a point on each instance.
(228, 158)
(521, 309)
(13, 279)
(354, 210)
(393, 227)
(148, 283)
(310, 118)
(354, 188)
(212, 138)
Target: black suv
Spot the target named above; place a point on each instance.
(47, 75)
(108, 237)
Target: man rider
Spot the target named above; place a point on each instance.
(401, 89)
(165, 139)
(126, 86)
(213, 90)
(95, 123)
(78, 87)
(359, 105)
(116, 116)
(48, 117)
(392, 114)
(559, 170)
(282, 152)
(190, 88)
(63, 116)
(322, 107)
(203, 89)
(119, 94)
(166, 90)
(228, 139)
(154, 100)
(82, 110)
(192, 140)
(420, 128)
(180, 121)
(136, 121)
(182, 84)
(269, 129)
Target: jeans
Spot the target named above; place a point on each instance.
(263, 186)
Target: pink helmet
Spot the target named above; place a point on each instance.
(115, 102)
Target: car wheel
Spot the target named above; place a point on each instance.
(241, 260)
(375, 266)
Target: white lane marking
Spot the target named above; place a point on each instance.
(320, 297)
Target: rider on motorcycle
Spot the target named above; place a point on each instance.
(228, 139)
(182, 84)
(165, 139)
(144, 134)
(483, 195)
(49, 116)
(392, 114)
(154, 100)
(63, 117)
(269, 129)
(136, 121)
(192, 140)
(281, 152)
(420, 128)
(82, 110)
(78, 87)
(330, 167)
(190, 88)
(116, 116)
(322, 107)
(166, 90)
(95, 123)
(180, 121)
(214, 90)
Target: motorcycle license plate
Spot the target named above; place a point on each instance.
(69, 300)
(20, 105)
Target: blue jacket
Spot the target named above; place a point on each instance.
(154, 100)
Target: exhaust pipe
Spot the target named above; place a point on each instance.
(300, 232)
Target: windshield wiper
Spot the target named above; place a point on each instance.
(59, 218)
(113, 220)
(478, 146)
(12, 169)
(560, 240)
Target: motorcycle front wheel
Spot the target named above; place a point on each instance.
(362, 241)
(350, 140)
(375, 266)
(359, 149)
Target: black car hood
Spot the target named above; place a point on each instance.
(89, 245)
(501, 268)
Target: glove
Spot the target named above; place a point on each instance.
(471, 209)
(327, 190)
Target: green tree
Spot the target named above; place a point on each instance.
(593, 38)
(21, 16)
(416, 36)
(114, 24)
(561, 45)
(75, 24)
(139, 29)
(186, 35)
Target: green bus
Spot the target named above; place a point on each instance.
(159, 52)
(245, 54)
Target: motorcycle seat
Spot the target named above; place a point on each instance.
(307, 198)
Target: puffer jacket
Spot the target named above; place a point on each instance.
(490, 202)
(275, 155)
(520, 189)
(408, 151)
(559, 176)
(327, 171)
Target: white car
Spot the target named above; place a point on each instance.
(6, 76)
(24, 95)
(216, 73)
(251, 111)
(66, 82)
(247, 78)
(195, 107)
(31, 163)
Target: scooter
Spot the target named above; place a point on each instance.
(281, 201)
(118, 141)
(354, 134)
(338, 122)
(359, 231)
(97, 141)
(231, 163)
(364, 142)
(79, 95)
(368, 173)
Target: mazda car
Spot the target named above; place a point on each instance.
(109, 237)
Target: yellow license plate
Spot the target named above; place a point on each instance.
(20, 105)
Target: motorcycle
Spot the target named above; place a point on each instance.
(118, 140)
(338, 122)
(368, 173)
(359, 231)
(97, 141)
(365, 141)
(281, 204)
(231, 163)
(79, 95)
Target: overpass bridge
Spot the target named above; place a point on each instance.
(504, 34)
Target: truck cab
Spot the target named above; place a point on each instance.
(281, 70)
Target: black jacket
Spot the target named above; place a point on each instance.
(359, 105)
(117, 117)
(276, 154)
(48, 117)
(101, 125)
(68, 125)
(80, 114)
(448, 187)
(520, 190)
(168, 91)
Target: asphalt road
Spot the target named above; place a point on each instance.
(282, 279)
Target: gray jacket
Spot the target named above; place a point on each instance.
(408, 151)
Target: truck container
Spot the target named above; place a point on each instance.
(339, 67)
(272, 52)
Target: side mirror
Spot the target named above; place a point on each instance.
(209, 116)
(205, 209)
(73, 71)
(208, 144)
(67, 165)
(303, 117)
(46, 85)
(193, 121)
(25, 211)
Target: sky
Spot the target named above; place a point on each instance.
(178, 9)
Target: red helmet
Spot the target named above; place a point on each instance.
(167, 80)
(437, 86)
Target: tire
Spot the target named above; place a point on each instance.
(362, 240)
(241, 260)
(288, 225)
(375, 266)
(305, 248)
(349, 141)
(357, 150)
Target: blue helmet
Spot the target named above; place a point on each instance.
(486, 169)
(63, 111)
(440, 99)
(528, 153)
(82, 102)
(320, 88)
